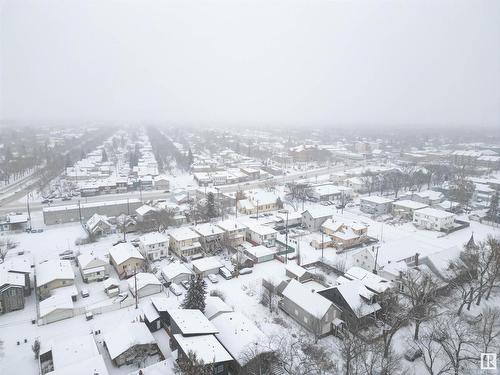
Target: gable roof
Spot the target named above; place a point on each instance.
(123, 252)
(206, 347)
(352, 292)
(215, 305)
(54, 269)
(311, 302)
(127, 335)
(192, 321)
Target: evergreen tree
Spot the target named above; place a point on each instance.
(195, 295)
(190, 158)
(493, 210)
(211, 209)
(279, 203)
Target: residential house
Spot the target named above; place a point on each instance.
(22, 265)
(373, 282)
(211, 237)
(375, 205)
(146, 214)
(406, 208)
(261, 235)
(161, 182)
(260, 253)
(98, 225)
(126, 259)
(52, 274)
(55, 308)
(190, 322)
(310, 309)
(92, 267)
(185, 243)
(290, 219)
(234, 232)
(313, 218)
(296, 272)
(345, 235)
(433, 219)
(144, 284)
(127, 341)
(356, 301)
(154, 245)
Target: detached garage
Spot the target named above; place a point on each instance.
(260, 253)
(145, 283)
(206, 266)
(55, 308)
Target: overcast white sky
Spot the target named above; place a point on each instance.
(300, 62)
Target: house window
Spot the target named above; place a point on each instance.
(305, 319)
(296, 312)
(219, 369)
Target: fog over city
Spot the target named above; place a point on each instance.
(259, 63)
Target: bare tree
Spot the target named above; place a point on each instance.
(488, 330)
(432, 353)
(192, 365)
(269, 294)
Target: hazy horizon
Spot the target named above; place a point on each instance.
(285, 63)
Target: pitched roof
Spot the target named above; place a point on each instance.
(123, 252)
(206, 347)
(192, 321)
(127, 335)
(215, 305)
(54, 269)
(311, 302)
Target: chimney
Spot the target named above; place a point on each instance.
(416, 259)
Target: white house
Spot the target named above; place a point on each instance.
(55, 308)
(206, 266)
(406, 207)
(375, 205)
(145, 283)
(313, 218)
(211, 236)
(52, 274)
(262, 235)
(185, 243)
(98, 225)
(433, 219)
(154, 245)
(92, 267)
(234, 232)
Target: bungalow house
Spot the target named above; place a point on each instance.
(356, 302)
(126, 259)
(98, 225)
(175, 272)
(239, 335)
(52, 274)
(355, 183)
(373, 282)
(128, 341)
(211, 237)
(22, 265)
(262, 235)
(190, 322)
(185, 243)
(145, 284)
(154, 245)
(313, 218)
(325, 193)
(11, 291)
(234, 232)
(206, 266)
(375, 205)
(146, 214)
(433, 219)
(428, 197)
(343, 235)
(260, 253)
(311, 310)
(206, 348)
(92, 267)
(406, 208)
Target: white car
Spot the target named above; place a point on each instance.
(175, 289)
(213, 279)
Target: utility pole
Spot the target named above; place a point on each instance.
(322, 244)
(257, 210)
(286, 238)
(135, 287)
(28, 206)
(140, 189)
(376, 260)
(79, 211)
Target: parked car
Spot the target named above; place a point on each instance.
(84, 293)
(225, 273)
(66, 198)
(245, 271)
(175, 289)
(213, 279)
(118, 242)
(412, 354)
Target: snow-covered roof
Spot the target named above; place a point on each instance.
(208, 229)
(440, 214)
(412, 205)
(206, 264)
(183, 234)
(237, 333)
(295, 269)
(127, 335)
(11, 278)
(18, 264)
(143, 279)
(331, 225)
(162, 304)
(376, 199)
(153, 238)
(261, 251)
(318, 212)
(174, 269)
(54, 269)
(369, 279)
(96, 219)
(123, 252)
(261, 230)
(150, 312)
(86, 258)
(110, 282)
(229, 225)
(17, 218)
(314, 303)
(144, 209)
(91, 365)
(192, 321)
(91, 205)
(352, 292)
(215, 305)
(430, 194)
(206, 347)
(55, 302)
